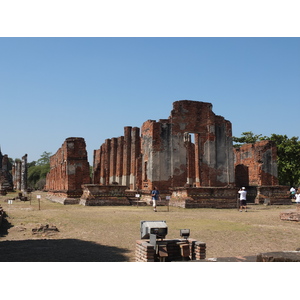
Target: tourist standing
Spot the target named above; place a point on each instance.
(297, 197)
(243, 199)
(155, 197)
(293, 192)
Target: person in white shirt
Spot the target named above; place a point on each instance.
(298, 197)
(293, 192)
(243, 199)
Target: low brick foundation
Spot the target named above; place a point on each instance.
(285, 256)
(104, 195)
(291, 214)
(273, 195)
(226, 197)
(63, 198)
(206, 197)
(171, 250)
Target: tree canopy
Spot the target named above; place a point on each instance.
(37, 171)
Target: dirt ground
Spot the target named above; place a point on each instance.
(109, 234)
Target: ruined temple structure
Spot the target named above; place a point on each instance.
(20, 173)
(13, 176)
(256, 164)
(192, 147)
(189, 157)
(69, 170)
(6, 180)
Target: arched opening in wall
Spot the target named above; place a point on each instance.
(189, 141)
(241, 175)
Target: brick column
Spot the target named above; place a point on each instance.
(119, 170)
(102, 171)
(96, 166)
(135, 151)
(197, 161)
(106, 165)
(126, 156)
(113, 160)
(24, 174)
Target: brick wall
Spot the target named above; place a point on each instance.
(117, 160)
(165, 155)
(6, 179)
(204, 197)
(256, 164)
(69, 169)
(172, 250)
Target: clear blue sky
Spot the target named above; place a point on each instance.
(55, 88)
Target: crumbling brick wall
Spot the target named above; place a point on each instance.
(171, 158)
(117, 160)
(69, 168)
(256, 164)
(165, 155)
(6, 179)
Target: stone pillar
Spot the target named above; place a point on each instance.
(24, 174)
(106, 161)
(126, 156)
(17, 175)
(96, 166)
(135, 151)
(102, 164)
(190, 157)
(119, 171)
(197, 161)
(113, 160)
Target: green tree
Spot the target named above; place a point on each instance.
(45, 158)
(288, 155)
(247, 137)
(37, 171)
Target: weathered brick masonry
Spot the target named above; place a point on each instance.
(188, 156)
(69, 169)
(173, 250)
(117, 160)
(165, 155)
(256, 164)
(13, 176)
(6, 179)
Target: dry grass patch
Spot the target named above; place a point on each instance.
(109, 233)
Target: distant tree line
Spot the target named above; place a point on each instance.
(37, 171)
(288, 155)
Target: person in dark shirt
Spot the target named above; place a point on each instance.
(155, 197)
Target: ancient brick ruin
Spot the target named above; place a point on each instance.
(256, 164)
(13, 176)
(165, 155)
(6, 179)
(118, 160)
(69, 170)
(188, 156)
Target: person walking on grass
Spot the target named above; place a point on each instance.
(243, 199)
(155, 197)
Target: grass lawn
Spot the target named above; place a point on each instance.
(109, 233)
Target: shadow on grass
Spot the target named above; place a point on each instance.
(65, 250)
(4, 226)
